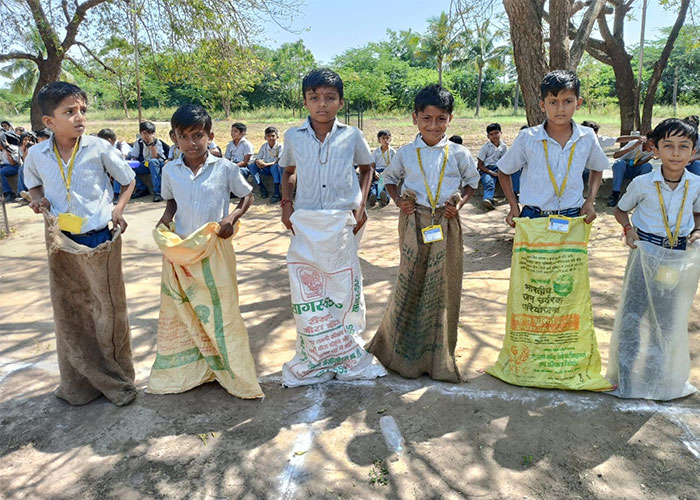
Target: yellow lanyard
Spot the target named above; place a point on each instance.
(66, 177)
(672, 238)
(387, 158)
(433, 201)
(558, 190)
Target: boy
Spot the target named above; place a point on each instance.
(43, 135)
(240, 149)
(150, 152)
(418, 333)
(489, 154)
(632, 160)
(174, 152)
(666, 204)
(325, 217)
(70, 177)
(206, 332)
(694, 165)
(381, 158)
(266, 163)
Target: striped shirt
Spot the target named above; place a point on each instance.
(91, 188)
(270, 154)
(489, 153)
(325, 171)
(237, 153)
(379, 158)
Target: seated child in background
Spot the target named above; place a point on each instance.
(174, 152)
(266, 164)
(43, 135)
(632, 160)
(694, 164)
(10, 163)
(240, 149)
(150, 152)
(489, 154)
(381, 158)
(122, 147)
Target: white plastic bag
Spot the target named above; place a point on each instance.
(649, 355)
(328, 304)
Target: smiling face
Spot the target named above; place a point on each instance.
(675, 152)
(384, 141)
(560, 108)
(495, 137)
(236, 135)
(432, 124)
(323, 104)
(68, 119)
(271, 138)
(194, 144)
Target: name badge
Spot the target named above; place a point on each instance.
(432, 234)
(70, 222)
(558, 223)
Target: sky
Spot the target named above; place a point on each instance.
(330, 27)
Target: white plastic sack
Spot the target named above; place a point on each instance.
(327, 300)
(649, 355)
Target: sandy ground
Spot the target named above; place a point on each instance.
(482, 439)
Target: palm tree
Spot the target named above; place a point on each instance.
(484, 54)
(441, 42)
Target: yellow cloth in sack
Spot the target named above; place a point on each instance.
(201, 334)
(550, 340)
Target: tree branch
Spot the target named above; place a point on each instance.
(584, 32)
(80, 68)
(64, 6)
(94, 56)
(76, 21)
(46, 32)
(11, 56)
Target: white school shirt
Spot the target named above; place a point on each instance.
(641, 196)
(460, 169)
(203, 197)
(636, 150)
(379, 158)
(140, 146)
(270, 154)
(236, 154)
(13, 153)
(91, 188)
(326, 178)
(527, 152)
(490, 154)
(606, 142)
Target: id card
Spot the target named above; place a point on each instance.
(558, 223)
(70, 222)
(432, 234)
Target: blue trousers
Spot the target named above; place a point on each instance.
(154, 168)
(622, 170)
(531, 213)
(8, 171)
(273, 170)
(91, 239)
(489, 182)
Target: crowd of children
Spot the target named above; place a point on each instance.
(325, 171)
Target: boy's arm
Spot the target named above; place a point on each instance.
(629, 232)
(482, 168)
(588, 208)
(227, 223)
(289, 180)
(365, 182)
(38, 201)
(452, 210)
(695, 233)
(168, 213)
(406, 206)
(506, 183)
(118, 211)
(627, 149)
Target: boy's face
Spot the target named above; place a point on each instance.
(147, 137)
(271, 138)
(323, 104)
(432, 124)
(68, 119)
(560, 108)
(236, 134)
(193, 142)
(675, 152)
(385, 140)
(495, 137)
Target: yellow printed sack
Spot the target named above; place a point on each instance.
(201, 334)
(550, 341)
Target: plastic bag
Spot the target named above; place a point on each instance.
(649, 355)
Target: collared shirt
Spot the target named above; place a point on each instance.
(490, 153)
(140, 147)
(460, 169)
(203, 197)
(237, 153)
(641, 196)
(91, 188)
(379, 158)
(174, 153)
(636, 153)
(13, 153)
(536, 189)
(606, 142)
(325, 171)
(270, 154)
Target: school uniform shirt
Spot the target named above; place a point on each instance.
(202, 197)
(606, 142)
(326, 178)
(174, 153)
(636, 154)
(140, 147)
(382, 159)
(123, 148)
(91, 188)
(641, 196)
(536, 189)
(11, 152)
(460, 169)
(236, 153)
(270, 154)
(490, 153)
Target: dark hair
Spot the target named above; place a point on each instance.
(190, 116)
(271, 130)
(20, 130)
(524, 127)
(147, 127)
(43, 134)
(25, 135)
(434, 95)
(107, 134)
(51, 95)
(457, 139)
(8, 124)
(674, 127)
(322, 77)
(493, 126)
(241, 127)
(558, 80)
(3, 140)
(591, 124)
(382, 133)
(694, 120)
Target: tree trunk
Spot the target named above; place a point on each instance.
(226, 104)
(559, 34)
(439, 68)
(517, 98)
(122, 97)
(478, 91)
(525, 17)
(49, 71)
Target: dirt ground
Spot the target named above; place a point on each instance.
(482, 439)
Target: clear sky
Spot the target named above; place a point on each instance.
(330, 27)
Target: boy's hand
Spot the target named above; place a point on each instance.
(287, 211)
(165, 221)
(37, 205)
(225, 229)
(588, 209)
(631, 237)
(407, 206)
(118, 219)
(694, 235)
(361, 221)
(450, 211)
(513, 213)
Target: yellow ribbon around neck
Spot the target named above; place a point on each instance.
(433, 201)
(67, 176)
(559, 191)
(386, 158)
(672, 238)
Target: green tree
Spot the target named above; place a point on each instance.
(441, 43)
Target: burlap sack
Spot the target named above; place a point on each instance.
(418, 332)
(93, 340)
